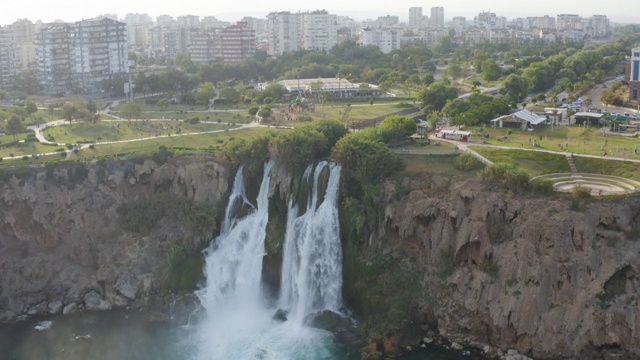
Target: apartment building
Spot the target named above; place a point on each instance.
(386, 39)
(78, 57)
(284, 32)
(236, 43)
(54, 51)
(100, 52)
(319, 30)
(8, 67)
(415, 16)
(437, 17)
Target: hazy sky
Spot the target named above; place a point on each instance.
(74, 10)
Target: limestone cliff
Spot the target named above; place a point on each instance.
(546, 275)
(62, 246)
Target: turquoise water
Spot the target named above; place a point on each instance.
(128, 335)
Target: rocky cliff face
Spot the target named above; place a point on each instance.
(548, 276)
(62, 246)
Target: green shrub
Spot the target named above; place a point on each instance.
(580, 192)
(541, 186)
(490, 267)
(194, 120)
(466, 162)
(162, 155)
(507, 175)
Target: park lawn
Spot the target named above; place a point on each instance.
(154, 107)
(26, 148)
(624, 169)
(123, 130)
(231, 116)
(184, 143)
(576, 139)
(533, 162)
(419, 145)
(433, 164)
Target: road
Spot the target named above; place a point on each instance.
(596, 95)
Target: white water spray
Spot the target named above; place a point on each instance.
(239, 323)
(312, 260)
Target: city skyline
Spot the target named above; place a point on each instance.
(75, 10)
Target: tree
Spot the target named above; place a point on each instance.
(515, 88)
(91, 106)
(205, 93)
(229, 93)
(4, 95)
(490, 70)
(588, 101)
(435, 97)
(479, 57)
(31, 107)
(69, 111)
(131, 110)
(265, 112)
(364, 89)
(253, 110)
(454, 70)
(14, 126)
(163, 104)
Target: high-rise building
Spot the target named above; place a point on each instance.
(8, 68)
(188, 21)
(100, 52)
(165, 21)
(415, 16)
(284, 32)
(568, 22)
(437, 17)
(237, 42)
(600, 25)
(385, 39)
(634, 74)
(80, 56)
(24, 31)
(202, 47)
(319, 30)
(54, 52)
(459, 24)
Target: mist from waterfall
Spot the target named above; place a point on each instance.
(239, 320)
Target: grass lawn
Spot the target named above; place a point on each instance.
(433, 164)
(123, 130)
(190, 143)
(533, 162)
(576, 139)
(608, 167)
(236, 116)
(24, 148)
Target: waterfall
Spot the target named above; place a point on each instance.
(312, 259)
(239, 322)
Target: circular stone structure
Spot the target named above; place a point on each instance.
(598, 184)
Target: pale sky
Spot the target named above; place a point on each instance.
(627, 11)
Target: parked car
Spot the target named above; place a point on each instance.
(604, 86)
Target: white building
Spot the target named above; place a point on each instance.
(599, 25)
(459, 24)
(415, 16)
(568, 22)
(165, 21)
(284, 32)
(437, 17)
(485, 20)
(319, 30)
(386, 39)
(188, 21)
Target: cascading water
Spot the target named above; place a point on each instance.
(312, 260)
(239, 323)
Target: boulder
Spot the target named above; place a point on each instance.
(328, 320)
(93, 301)
(69, 309)
(55, 307)
(281, 315)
